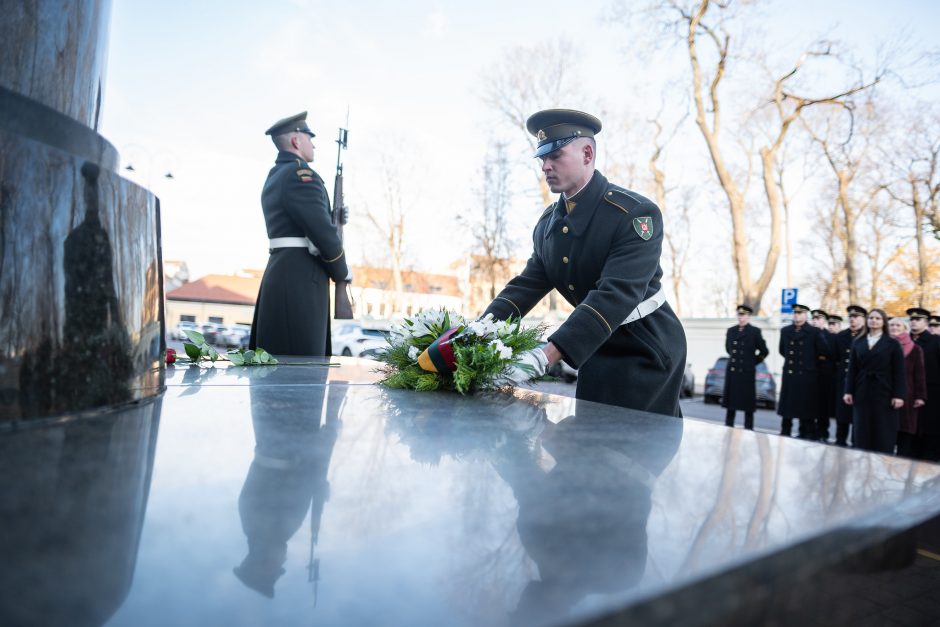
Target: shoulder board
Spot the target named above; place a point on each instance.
(548, 211)
(621, 198)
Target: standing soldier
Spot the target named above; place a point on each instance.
(934, 324)
(292, 315)
(746, 348)
(835, 324)
(927, 440)
(825, 369)
(800, 344)
(599, 245)
(841, 351)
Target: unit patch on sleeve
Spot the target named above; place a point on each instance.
(643, 227)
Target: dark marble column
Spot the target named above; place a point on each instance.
(81, 280)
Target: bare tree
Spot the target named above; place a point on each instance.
(883, 246)
(488, 222)
(528, 79)
(389, 221)
(704, 24)
(916, 184)
(677, 236)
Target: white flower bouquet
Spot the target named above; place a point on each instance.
(439, 349)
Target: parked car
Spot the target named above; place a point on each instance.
(688, 383)
(764, 384)
(233, 335)
(179, 332)
(352, 338)
(210, 331)
(374, 352)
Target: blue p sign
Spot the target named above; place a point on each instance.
(788, 296)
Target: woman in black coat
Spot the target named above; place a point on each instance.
(875, 386)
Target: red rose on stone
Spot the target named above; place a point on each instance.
(171, 356)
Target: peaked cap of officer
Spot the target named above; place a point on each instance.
(293, 124)
(555, 128)
(800, 308)
(857, 310)
(745, 309)
(917, 312)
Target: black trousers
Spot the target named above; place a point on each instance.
(748, 419)
(842, 433)
(806, 429)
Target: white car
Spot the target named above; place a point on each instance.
(233, 335)
(179, 333)
(352, 339)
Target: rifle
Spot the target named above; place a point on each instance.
(342, 302)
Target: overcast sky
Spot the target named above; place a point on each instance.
(191, 87)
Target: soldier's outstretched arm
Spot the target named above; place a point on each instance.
(631, 264)
(522, 293)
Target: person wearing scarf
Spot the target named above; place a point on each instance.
(916, 380)
(875, 387)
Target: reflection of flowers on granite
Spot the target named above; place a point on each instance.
(463, 426)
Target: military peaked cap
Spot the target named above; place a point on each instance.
(835, 318)
(935, 321)
(744, 309)
(819, 313)
(800, 309)
(293, 124)
(856, 310)
(555, 128)
(917, 312)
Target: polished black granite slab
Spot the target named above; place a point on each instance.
(305, 494)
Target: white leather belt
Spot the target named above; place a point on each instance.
(293, 242)
(647, 307)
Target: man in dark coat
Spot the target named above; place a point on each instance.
(599, 246)
(934, 324)
(841, 350)
(927, 440)
(825, 373)
(292, 315)
(875, 387)
(746, 348)
(800, 345)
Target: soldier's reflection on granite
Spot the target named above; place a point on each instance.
(583, 519)
(583, 501)
(82, 373)
(72, 503)
(287, 477)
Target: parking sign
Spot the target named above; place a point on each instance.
(788, 299)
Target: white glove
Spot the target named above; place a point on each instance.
(532, 364)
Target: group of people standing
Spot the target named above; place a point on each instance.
(879, 378)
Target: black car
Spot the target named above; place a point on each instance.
(688, 383)
(764, 384)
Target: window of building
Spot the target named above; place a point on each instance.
(215, 319)
(186, 318)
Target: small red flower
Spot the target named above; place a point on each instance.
(171, 356)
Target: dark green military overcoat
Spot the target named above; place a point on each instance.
(603, 258)
(292, 315)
